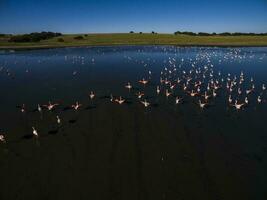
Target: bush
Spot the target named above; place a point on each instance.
(131, 32)
(60, 40)
(85, 35)
(79, 37)
(185, 33)
(34, 37)
(203, 34)
(225, 34)
(140, 32)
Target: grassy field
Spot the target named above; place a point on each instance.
(138, 39)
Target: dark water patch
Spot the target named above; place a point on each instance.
(72, 121)
(53, 132)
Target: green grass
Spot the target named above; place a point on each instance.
(139, 39)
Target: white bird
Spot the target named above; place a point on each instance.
(22, 108)
(34, 132)
(139, 95)
(50, 106)
(214, 94)
(230, 100)
(120, 100)
(158, 90)
(202, 105)
(58, 120)
(2, 139)
(259, 99)
(239, 91)
(39, 108)
(167, 93)
(246, 100)
(249, 91)
(145, 103)
(91, 95)
(206, 96)
(263, 87)
(238, 106)
(192, 93)
(178, 100)
(143, 81)
(76, 106)
(128, 86)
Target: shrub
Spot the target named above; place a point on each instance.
(60, 40)
(78, 37)
(203, 34)
(33, 37)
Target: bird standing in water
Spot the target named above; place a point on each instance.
(34, 132)
(2, 138)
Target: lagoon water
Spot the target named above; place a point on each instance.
(110, 151)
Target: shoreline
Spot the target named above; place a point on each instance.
(24, 48)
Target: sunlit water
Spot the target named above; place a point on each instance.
(110, 151)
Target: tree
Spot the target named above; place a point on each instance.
(131, 32)
(33, 37)
(203, 34)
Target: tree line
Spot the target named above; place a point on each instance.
(33, 37)
(220, 34)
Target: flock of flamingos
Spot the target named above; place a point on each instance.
(198, 81)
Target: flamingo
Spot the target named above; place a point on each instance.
(111, 97)
(145, 103)
(128, 86)
(158, 90)
(50, 106)
(58, 119)
(143, 81)
(140, 94)
(120, 100)
(192, 93)
(76, 106)
(167, 93)
(230, 100)
(263, 87)
(34, 132)
(39, 108)
(2, 138)
(259, 99)
(91, 95)
(178, 100)
(238, 106)
(202, 105)
(246, 100)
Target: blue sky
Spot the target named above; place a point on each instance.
(164, 16)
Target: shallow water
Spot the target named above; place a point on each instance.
(110, 151)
